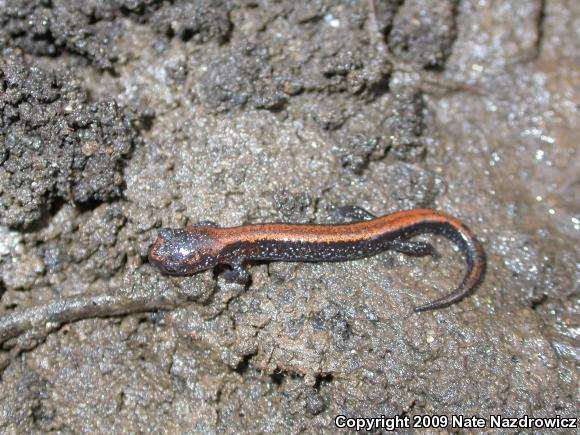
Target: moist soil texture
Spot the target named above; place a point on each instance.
(120, 117)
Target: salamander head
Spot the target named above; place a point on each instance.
(184, 251)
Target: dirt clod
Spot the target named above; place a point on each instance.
(121, 117)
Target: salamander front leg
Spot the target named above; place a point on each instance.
(237, 274)
(351, 213)
(419, 249)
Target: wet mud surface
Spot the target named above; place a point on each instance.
(121, 117)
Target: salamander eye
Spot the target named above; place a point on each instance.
(165, 233)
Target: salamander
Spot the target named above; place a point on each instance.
(200, 247)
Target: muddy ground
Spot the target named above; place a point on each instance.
(120, 117)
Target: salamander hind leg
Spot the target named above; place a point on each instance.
(414, 248)
(206, 224)
(351, 213)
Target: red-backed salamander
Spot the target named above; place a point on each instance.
(204, 246)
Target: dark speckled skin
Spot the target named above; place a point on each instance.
(201, 247)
